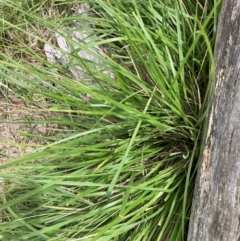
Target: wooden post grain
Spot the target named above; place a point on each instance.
(216, 204)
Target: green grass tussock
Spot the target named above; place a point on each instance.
(123, 168)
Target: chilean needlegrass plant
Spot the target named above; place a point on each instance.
(124, 168)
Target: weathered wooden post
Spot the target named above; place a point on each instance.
(216, 204)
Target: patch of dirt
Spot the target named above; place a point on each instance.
(13, 142)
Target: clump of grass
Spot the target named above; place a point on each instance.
(125, 168)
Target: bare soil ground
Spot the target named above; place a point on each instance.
(13, 142)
